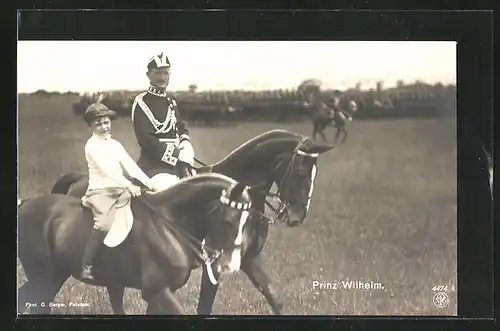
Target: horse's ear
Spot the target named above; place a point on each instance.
(319, 148)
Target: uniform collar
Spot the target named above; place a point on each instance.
(98, 137)
(157, 91)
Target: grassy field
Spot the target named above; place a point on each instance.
(384, 210)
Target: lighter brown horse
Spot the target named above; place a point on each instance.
(170, 236)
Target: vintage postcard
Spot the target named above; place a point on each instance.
(237, 177)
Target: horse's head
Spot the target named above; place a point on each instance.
(282, 157)
(295, 174)
(226, 235)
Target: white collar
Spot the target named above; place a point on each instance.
(99, 137)
(157, 91)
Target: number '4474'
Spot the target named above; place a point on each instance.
(440, 288)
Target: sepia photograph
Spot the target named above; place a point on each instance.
(237, 178)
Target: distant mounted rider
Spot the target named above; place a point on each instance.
(331, 112)
(166, 150)
(341, 115)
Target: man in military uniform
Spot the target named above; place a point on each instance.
(166, 150)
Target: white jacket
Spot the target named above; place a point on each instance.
(108, 162)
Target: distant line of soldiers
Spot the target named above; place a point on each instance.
(222, 101)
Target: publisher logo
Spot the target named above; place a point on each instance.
(440, 300)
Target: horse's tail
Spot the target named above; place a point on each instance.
(63, 184)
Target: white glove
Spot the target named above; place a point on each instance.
(186, 153)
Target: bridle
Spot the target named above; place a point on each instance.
(283, 206)
(226, 202)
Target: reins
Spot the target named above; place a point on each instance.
(278, 211)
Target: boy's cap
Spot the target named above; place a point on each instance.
(97, 110)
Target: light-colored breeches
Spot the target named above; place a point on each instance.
(107, 204)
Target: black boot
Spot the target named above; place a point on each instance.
(95, 240)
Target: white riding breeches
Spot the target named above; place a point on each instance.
(164, 181)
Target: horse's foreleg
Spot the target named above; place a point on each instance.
(26, 297)
(36, 295)
(207, 294)
(337, 135)
(116, 293)
(254, 269)
(319, 128)
(323, 136)
(164, 303)
(315, 131)
(344, 131)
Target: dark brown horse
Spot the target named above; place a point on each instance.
(279, 157)
(170, 236)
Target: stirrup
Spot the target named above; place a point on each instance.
(86, 272)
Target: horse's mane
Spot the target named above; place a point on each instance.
(185, 203)
(249, 145)
(186, 190)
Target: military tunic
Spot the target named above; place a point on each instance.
(159, 130)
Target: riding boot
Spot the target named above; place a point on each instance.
(95, 240)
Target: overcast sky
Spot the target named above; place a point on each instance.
(83, 66)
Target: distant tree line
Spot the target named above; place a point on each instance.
(47, 94)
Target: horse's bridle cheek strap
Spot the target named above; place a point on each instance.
(289, 172)
(303, 155)
(285, 190)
